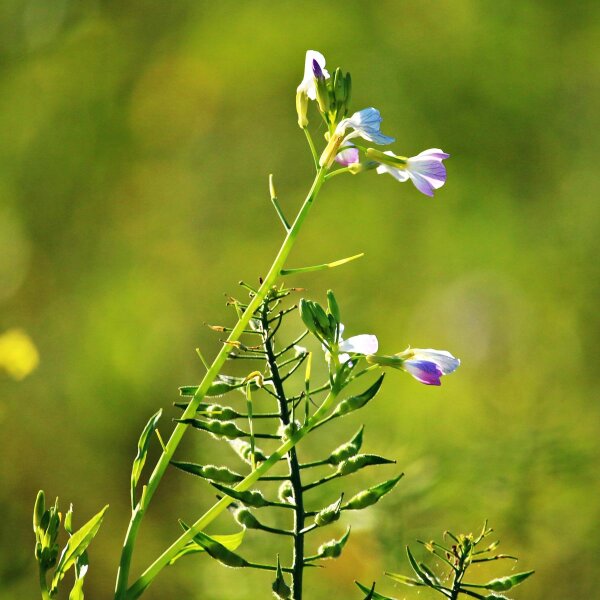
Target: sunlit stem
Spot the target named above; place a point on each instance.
(213, 371)
(311, 144)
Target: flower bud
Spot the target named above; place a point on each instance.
(302, 108)
(39, 509)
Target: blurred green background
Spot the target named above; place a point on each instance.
(136, 140)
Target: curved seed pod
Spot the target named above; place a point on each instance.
(355, 463)
(220, 413)
(348, 449)
(212, 472)
(286, 492)
(244, 450)
(333, 548)
(287, 431)
(225, 429)
(280, 588)
(356, 402)
(330, 513)
(250, 497)
(245, 518)
(371, 495)
(503, 584)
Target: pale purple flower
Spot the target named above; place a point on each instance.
(365, 124)
(348, 156)
(314, 66)
(428, 365)
(358, 344)
(425, 170)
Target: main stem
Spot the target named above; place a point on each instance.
(293, 464)
(212, 373)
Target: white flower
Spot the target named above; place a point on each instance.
(358, 344)
(307, 85)
(428, 365)
(425, 170)
(365, 124)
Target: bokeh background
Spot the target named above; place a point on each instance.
(136, 140)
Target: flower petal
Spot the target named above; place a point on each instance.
(346, 157)
(424, 371)
(443, 359)
(360, 344)
(307, 84)
(366, 123)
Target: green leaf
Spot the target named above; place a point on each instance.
(356, 402)
(140, 459)
(405, 580)
(221, 474)
(230, 541)
(76, 546)
(424, 577)
(219, 551)
(371, 495)
(330, 265)
(371, 593)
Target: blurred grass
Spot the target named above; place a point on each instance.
(136, 142)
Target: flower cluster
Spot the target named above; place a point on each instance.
(426, 170)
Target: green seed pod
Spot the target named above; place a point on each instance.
(286, 492)
(503, 584)
(244, 450)
(356, 402)
(371, 495)
(288, 431)
(332, 306)
(245, 518)
(252, 498)
(280, 588)
(348, 449)
(361, 461)
(212, 472)
(330, 514)
(220, 413)
(333, 548)
(225, 429)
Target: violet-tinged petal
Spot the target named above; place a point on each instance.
(366, 124)
(360, 344)
(349, 156)
(445, 361)
(421, 183)
(307, 85)
(424, 371)
(399, 174)
(316, 68)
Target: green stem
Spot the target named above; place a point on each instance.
(44, 584)
(313, 150)
(180, 428)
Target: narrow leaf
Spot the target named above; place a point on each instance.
(356, 402)
(371, 593)
(405, 580)
(330, 265)
(142, 451)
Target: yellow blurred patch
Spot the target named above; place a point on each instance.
(18, 354)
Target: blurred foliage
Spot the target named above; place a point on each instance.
(136, 142)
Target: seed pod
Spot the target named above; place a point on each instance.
(361, 461)
(212, 472)
(333, 548)
(225, 429)
(371, 495)
(356, 402)
(219, 552)
(250, 497)
(286, 492)
(220, 413)
(329, 514)
(289, 430)
(68, 524)
(245, 518)
(503, 584)
(348, 449)
(244, 450)
(280, 588)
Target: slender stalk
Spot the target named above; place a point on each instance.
(180, 428)
(294, 466)
(313, 150)
(44, 584)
